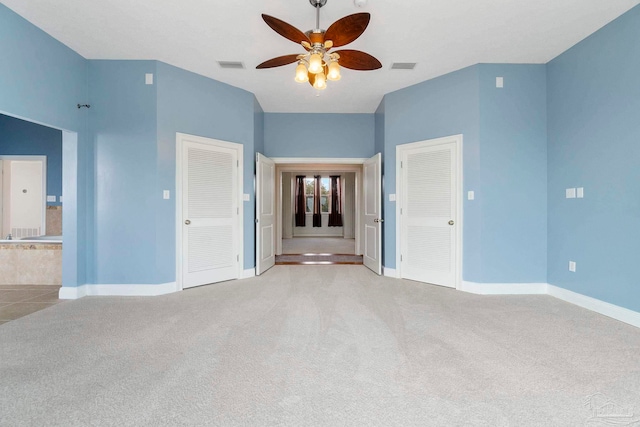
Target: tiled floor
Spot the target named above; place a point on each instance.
(19, 300)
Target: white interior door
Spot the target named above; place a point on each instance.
(265, 213)
(26, 198)
(429, 213)
(210, 213)
(371, 213)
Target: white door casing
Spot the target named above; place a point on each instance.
(371, 213)
(265, 213)
(429, 211)
(209, 210)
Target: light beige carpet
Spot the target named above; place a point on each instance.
(317, 345)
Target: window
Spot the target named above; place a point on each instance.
(325, 194)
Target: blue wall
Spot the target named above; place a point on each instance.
(513, 171)
(504, 163)
(319, 135)
(122, 122)
(444, 106)
(193, 104)
(594, 142)
(42, 80)
(19, 137)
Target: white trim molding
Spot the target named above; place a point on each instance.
(504, 288)
(389, 272)
(146, 290)
(248, 273)
(607, 309)
(319, 160)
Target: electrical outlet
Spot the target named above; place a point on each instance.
(580, 192)
(572, 266)
(471, 195)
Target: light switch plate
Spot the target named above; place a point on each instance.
(60, 199)
(500, 82)
(572, 266)
(246, 197)
(166, 194)
(471, 195)
(51, 198)
(571, 193)
(580, 192)
(392, 197)
(148, 79)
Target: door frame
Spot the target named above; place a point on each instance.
(180, 137)
(301, 164)
(400, 186)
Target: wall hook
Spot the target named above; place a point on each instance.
(84, 105)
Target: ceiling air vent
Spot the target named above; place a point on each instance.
(403, 65)
(236, 65)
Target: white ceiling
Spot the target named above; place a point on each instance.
(440, 35)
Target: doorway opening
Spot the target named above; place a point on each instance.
(318, 220)
(31, 181)
(309, 196)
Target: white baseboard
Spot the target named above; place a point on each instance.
(117, 290)
(610, 310)
(248, 273)
(68, 292)
(390, 272)
(504, 288)
(606, 309)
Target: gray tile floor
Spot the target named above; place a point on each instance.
(20, 300)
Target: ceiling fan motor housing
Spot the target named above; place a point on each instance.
(318, 3)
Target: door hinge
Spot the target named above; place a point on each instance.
(237, 211)
(400, 211)
(237, 257)
(237, 163)
(400, 258)
(400, 165)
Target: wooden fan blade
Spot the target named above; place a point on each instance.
(347, 29)
(287, 31)
(357, 60)
(279, 61)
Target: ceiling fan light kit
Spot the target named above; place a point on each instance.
(318, 65)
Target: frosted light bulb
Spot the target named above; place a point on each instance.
(301, 73)
(315, 63)
(334, 71)
(321, 82)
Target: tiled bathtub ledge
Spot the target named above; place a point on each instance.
(29, 245)
(30, 263)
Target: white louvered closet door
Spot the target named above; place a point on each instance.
(428, 214)
(210, 210)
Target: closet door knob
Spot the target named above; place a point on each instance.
(187, 222)
(451, 222)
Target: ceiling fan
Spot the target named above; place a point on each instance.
(319, 64)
